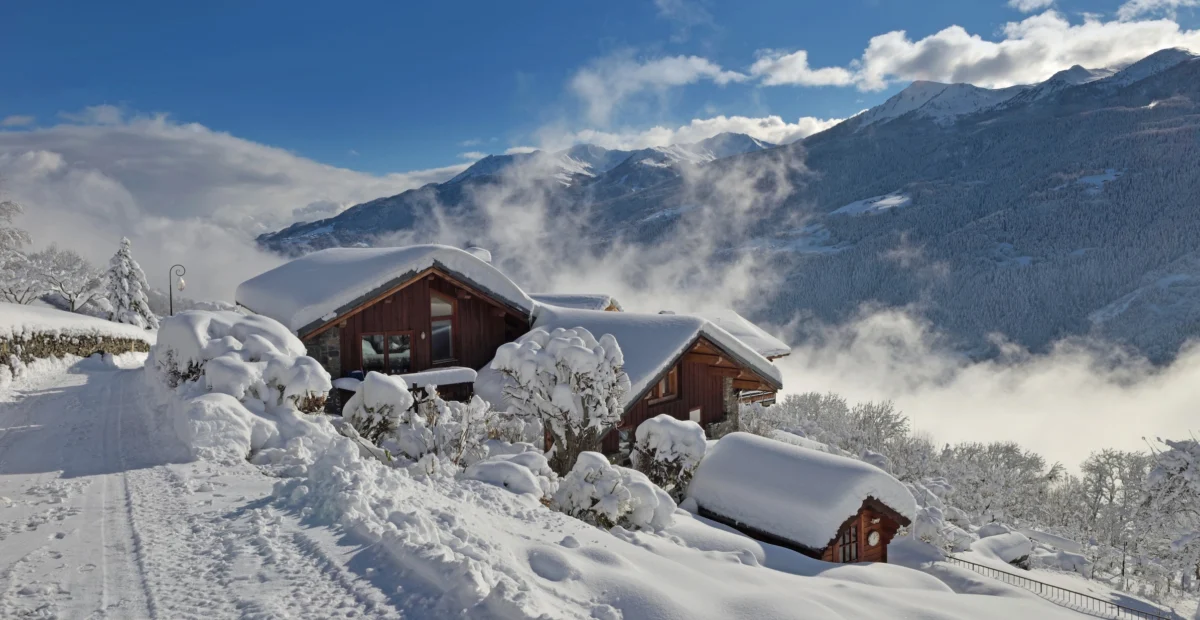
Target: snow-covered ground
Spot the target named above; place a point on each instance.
(875, 204)
(104, 513)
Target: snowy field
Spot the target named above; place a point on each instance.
(104, 513)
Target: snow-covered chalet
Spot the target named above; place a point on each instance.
(416, 309)
(829, 507)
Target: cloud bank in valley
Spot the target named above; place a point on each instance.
(182, 192)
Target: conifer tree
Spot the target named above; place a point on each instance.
(127, 290)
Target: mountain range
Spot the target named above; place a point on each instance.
(1065, 208)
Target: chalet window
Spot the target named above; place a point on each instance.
(666, 388)
(387, 353)
(850, 544)
(441, 311)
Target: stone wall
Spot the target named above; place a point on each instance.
(38, 346)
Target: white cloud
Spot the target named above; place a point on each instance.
(776, 68)
(17, 120)
(771, 129)
(1029, 51)
(1136, 8)
(519, 150)
(1029, 6)
(472, 155)
(1063, 404)
(95, 115)
(182, 192)
(607, 82)
(687, 14)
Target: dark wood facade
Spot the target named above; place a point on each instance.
(479, 325)
(701, 395)
(851, 544)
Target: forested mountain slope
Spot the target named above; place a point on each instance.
(1031, 212)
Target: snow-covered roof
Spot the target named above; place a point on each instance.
(20, 322)
(799, 494)
(650, 343)
(754, 336)
(317, 288)
(582, 301)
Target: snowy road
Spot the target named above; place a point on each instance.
(102, 517)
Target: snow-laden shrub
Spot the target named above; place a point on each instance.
(251, 358)
(376, 407)
(384, 413)
(607, 496)
(668, 451)
(570, 381)
(521, 473)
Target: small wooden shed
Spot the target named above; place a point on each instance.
(828, 507)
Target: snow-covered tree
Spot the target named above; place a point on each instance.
(570, 381)
(70, 275)
(12, 239)
(1173, 489)
(127, 290)
(22, 278)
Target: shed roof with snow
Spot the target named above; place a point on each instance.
(313, 290)
(794, 493)
(650, 343)
(578, 301)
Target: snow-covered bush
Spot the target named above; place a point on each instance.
(607, 496)
(127, 289)
(570, 381)
(251, 358)
(376, 407)
(522, 473)
(384, 412)
(668, 451)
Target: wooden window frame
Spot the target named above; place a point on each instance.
(453, 327)
(387, 356)
(848, 545)
(657, 395)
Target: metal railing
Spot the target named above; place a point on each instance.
(1063, 597)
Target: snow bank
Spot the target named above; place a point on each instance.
(20, 322)
(438, 376)
(317, 288)
(1008, 548)
(524, 472)
(799, 494)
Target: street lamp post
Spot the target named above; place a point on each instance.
(177, 271)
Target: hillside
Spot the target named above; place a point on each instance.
(1017, 212)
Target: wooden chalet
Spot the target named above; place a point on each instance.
(828, 507)
(420, 308)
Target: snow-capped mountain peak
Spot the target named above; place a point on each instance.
(1151, 65)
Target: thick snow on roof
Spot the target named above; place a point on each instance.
(800, 494)
(754, 336)
(649, 343)
(582, 301)
(18, 321)
(320, 286)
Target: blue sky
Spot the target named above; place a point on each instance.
(387, 86)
